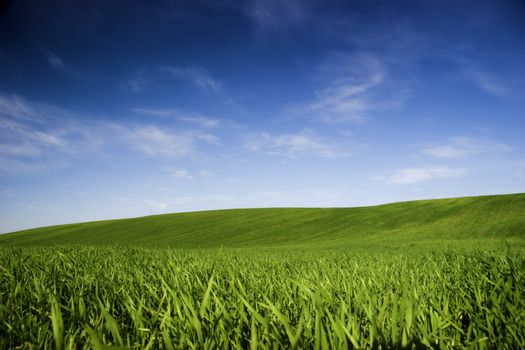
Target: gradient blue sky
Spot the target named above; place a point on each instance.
(114, 109)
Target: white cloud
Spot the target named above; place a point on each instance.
(19, 150)
(196, 76)
(164, 113)
(418, 175)
(202, 121)
(15, 108)
(53, 59)
(178, 114)
(328, 196)
(471, 71)
(47, 138)
(139, 81)
(208, 200)
(35, 136)
(349, 93)
(271, 15)
(182, 174)
(8, 193)
(484, 81)
(186, 174)
(157, 204)
(209, 138)
(29, 130)
(154, 141)
(81, 193)
(304, 143)
(445, 151)
(462, 146)
(12, 165)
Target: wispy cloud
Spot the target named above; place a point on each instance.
(139, 81)
(25, 132)
(182, 174)
(157, 204)
(8, 193)
(348, 95)
(173, 202)
(208, 138)
(324, 196)
(473, 72)
(202, 121)
(209, 200)
(304, 143)
(485, 81)
(154, 141)
(180, 115)
(34, 135)
(53, 59)
(272, 15)
(186, 174)
(407, 176)
(196, 76)
(462, 146)
(15, 108)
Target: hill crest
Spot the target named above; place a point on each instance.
(483, 219)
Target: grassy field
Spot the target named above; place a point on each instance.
(467, 222)
(427, 274)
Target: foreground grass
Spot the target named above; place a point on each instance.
(92, 297)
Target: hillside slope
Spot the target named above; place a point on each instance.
(481, 220)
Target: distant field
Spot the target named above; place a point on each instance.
(466, 222)
(444, 273)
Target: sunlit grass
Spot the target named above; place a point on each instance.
(90, 297)
(479, 222)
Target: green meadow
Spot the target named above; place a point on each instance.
(446, 273)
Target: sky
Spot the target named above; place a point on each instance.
(112, 109)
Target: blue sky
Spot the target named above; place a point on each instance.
(114, 109)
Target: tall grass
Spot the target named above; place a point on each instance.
(86, 297)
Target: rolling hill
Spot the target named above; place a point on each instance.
(473, 221)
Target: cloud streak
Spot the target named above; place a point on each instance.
(53, 59)
(186, 174)
(477, 76)
(302, 144)
(24, 129)
(274, 15)
(180, 115)
(153, 141)
(15, 108)
(196, 76)
(407, 176)
(462, 146)
(485, 82)
(173, 202)
(349, 93)
(34, 135)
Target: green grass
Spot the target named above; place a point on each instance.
(92, 297)
(442, 274)
(469, 221)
